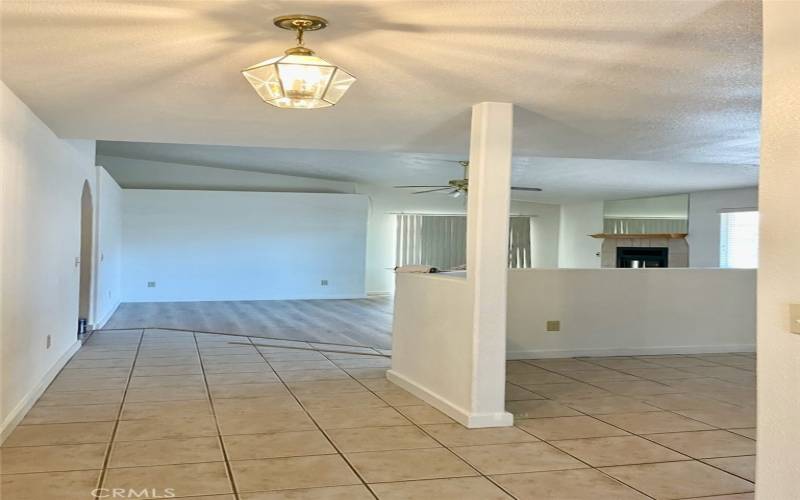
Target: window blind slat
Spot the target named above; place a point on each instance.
(738, 239)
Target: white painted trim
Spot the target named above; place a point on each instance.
(102, 322)
(238, 299)
(18, 413)
(632, 351)
(460, 415)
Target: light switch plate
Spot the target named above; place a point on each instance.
(794, 318)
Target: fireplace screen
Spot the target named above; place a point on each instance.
(642, 257)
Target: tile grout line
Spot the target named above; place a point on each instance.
(421, 429)
(595, 418)
(316, 424)
(142, 340)
(632, 397)
(107, 458)
(632, 433)
(247, 335)
(216, 421)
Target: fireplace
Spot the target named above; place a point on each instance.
(648, 250)
(642, 257)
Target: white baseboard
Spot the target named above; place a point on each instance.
(337, 296)
(99, 324)
(460, 415)
(21, 409)
(629, 351)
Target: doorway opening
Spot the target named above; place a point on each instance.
(87, 237)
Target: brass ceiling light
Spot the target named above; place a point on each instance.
(299, 79)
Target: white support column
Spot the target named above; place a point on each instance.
(449, 332)
(778, 463)
(487, 258)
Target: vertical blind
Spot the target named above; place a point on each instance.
(441, 241)
(519, 242)
(738, 242)
(616, 225)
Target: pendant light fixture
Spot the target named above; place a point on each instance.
(299, 79)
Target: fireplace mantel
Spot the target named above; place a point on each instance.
(651, 236)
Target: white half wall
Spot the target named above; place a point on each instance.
(704, 221)
(433, 322)
(218, 245)
(607, 312)
(108, 254)
(778, 464)
(42, 180)
(576, 249)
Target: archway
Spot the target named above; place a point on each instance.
(87, 237)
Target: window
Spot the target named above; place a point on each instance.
(441, 241)
(738, 239)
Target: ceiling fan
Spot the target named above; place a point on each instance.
(458, 187)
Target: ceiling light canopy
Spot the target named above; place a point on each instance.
(299, 79)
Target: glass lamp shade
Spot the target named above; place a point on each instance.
(299, 80)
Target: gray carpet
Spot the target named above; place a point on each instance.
(366, 322)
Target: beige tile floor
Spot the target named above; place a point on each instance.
(217, 417)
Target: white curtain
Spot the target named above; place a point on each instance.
(441, 241)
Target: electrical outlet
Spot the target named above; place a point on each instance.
(48, 342)
(151, 284)
(554, 326)
(323, 283)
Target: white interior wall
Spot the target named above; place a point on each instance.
(704, 221)
(546, 222)
(575, 248)
(42, 180)
(219, 245)
(607, 312)
(384, 203)
(778, 464)
(143, 174)
(674, 206)
(108, 261)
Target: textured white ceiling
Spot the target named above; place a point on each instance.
(563, 179)
(662, 80)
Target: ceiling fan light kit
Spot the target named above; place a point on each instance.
(299, 79)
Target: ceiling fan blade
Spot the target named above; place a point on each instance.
(440, 186)
(515, 188)
(433, 190)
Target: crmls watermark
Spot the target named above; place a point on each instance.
(133, 493)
